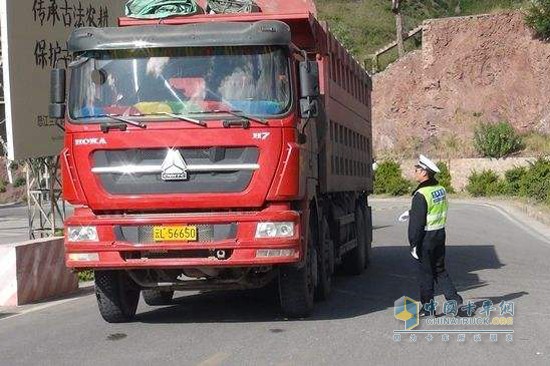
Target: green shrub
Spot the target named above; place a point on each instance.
(536, 181)
(444, 177)
(486, 183)
(513, 178)
(19, 182)
(496, 140)
(2, 186)
(389, 179)
(85, 276)
(538, 18)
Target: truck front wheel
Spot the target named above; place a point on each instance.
(154, 297)
(117, 296)
(297, 285)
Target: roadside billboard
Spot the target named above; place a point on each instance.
(34, 40)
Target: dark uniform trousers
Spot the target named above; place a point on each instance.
(431, 268)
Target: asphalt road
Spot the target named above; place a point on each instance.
(14, 224)
(490, 255)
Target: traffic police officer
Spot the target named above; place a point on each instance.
(427, 219)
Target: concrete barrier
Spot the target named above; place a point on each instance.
(33, 271)
(461, 169)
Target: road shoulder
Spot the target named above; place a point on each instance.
(85, 289)
(536, 219)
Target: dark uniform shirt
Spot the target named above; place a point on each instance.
(418, 215)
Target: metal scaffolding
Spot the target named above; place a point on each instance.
(45, 203)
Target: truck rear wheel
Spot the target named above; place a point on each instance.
(325, 260)
(297, 285)
(368, 234)
(354, 260)
(117, 296)
(155, 297)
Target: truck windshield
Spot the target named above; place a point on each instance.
(254, 80)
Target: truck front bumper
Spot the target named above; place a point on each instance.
(243, 249)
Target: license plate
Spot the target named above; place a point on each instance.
(175, 233)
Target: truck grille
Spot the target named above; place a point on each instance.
(143, 234)
(208, 170)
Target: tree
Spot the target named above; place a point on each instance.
(396, 9)
(538, 18)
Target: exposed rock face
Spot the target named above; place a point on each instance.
(470, 69)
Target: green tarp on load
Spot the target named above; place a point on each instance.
(156, 9)
(231, 6)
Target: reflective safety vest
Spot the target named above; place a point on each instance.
(436, 198)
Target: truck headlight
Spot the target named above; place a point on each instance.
(84, 257)
(82, 233)
(274, 230)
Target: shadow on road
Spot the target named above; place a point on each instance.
(5, 315)
(391, 275)
(381, 227)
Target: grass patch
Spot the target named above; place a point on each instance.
(85, 276)
(536, 144)
(470, 7)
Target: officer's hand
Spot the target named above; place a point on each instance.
(404, 216)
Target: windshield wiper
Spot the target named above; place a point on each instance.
(234, 112)
(118, 117)
(105, 127)
(181, 117)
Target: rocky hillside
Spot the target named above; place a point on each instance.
(469, 70)
(364, 26)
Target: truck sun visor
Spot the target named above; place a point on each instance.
(262, 33)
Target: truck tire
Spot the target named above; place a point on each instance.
(368, 234)
(297, 285)
(325, 260)
(354, 260)
(117, 296)
(154, 297)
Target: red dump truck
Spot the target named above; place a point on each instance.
(215, 151)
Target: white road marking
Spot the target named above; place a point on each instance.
(44, 306)
(215, 359)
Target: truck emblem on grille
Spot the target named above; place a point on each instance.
(173, 167)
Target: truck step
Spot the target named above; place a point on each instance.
(344, 248)
(346, 219)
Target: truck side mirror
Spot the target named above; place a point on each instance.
(57, 93)
(309, 79)
(309, 88)
(309, 108)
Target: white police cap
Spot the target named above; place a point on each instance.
(427, 164)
